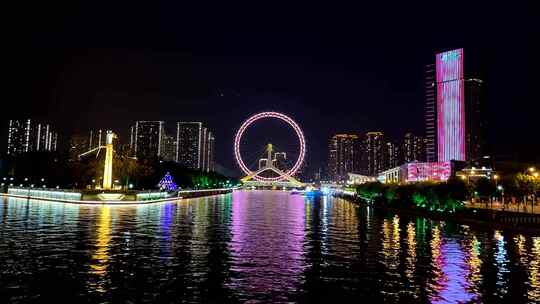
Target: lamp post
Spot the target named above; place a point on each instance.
(501, 189)
(496, 178)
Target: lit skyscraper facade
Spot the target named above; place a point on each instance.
(413, 148)
(391, 155)
(195, 146)
(454, 122)
(189, 139)
(431, 113)
(373, 161)
(28, 136)
(344, 156)
(168, 147)
(148, 137)
(210, 151)
(450, 106)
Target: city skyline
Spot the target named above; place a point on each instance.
(368, 151)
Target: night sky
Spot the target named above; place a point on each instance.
(332, 68)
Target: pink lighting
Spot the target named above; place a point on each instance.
(282, 117)
(418, 172)
(450, 106)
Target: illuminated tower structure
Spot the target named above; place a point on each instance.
(450, 106)
(454, 124)
(107, 170)
(344, 152)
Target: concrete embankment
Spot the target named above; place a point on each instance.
(173, 197)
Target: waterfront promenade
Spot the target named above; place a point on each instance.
(509, 207)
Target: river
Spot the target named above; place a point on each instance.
(255, 247)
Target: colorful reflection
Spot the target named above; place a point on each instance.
(411, 254)
(475, 264)
(391, 245)
(501, 260)
(267, 242)
(451, 270)
(534, 272)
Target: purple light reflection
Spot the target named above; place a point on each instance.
(453, 284)
(267, 242)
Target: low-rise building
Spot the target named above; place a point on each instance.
(358, 179)
(418, 172)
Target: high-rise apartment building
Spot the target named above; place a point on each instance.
(189, 139)
(431, 113)
(344, 156)
(373, 160)
(475, 124)
(196, 146)
(413, 148)
(168, 147)
(210, 151)
(148, 139)
(28, 136)
(391, 155)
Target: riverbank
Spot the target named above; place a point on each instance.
(185, 194)
(494, 219)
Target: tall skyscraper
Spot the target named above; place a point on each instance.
(373, 154)
(431, 113)
(454, 125)
(196, 146)
(475, 124)
(148, 137)
(168, 147)
(450, 106)
(344, 156)
(391, 155)
(28, 136)
(189, 139)
(210, 151)
(413, 148)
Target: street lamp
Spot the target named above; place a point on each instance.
(500, 188)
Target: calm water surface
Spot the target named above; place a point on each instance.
(255, 247)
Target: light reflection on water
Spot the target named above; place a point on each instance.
(255, 246)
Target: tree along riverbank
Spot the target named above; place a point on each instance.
(441, 201)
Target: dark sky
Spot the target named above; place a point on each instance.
(331, 67)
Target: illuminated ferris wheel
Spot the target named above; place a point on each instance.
(281, 175)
